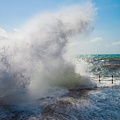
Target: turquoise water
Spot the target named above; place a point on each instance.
(106, 64)
(100, 56)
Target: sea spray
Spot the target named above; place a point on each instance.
(35, 59)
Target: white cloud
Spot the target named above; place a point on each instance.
(16, 30)
(96, 39)
(116, 43)
(3, 34)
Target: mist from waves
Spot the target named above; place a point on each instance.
(35, 59)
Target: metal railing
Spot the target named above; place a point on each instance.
(112, 78)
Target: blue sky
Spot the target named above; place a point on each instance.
(105, 38)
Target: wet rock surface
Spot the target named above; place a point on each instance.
(65, 108)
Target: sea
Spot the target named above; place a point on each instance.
(97, 97)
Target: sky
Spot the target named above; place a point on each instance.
(104, 39)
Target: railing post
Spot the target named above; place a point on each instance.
(112, 79)
(99, 78)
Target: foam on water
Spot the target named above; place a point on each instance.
(36, 59)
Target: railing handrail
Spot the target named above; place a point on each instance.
(107, 76)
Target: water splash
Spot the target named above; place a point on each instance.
(36, 59)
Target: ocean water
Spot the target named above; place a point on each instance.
(104, 102)
(99, 102)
